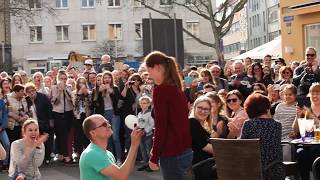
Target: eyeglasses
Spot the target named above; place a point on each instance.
(203, 109)
(310, 55)
(232, 100)
(215, 72)
(104, 124)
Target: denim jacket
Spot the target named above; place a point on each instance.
(3, 114)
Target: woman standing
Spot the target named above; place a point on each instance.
(62, 111)
(27, 153)
(107, 98)
(172, 138)
(201, 130)
(82, 109)
(38, 82)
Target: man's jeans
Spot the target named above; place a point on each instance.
(177, 167)
(6, 144)
(114, 142)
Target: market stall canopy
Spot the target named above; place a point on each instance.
(273, 48)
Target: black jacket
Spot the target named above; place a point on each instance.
(98, 102)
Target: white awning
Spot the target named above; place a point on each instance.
(272, 48)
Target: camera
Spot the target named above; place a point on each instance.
(131, 83)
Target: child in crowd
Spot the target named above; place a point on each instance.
(146, 122)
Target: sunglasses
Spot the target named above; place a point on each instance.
(104, 124)
(310, 55)
(232, 100)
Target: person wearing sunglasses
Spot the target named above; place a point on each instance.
(201, 130)
(96, 162)
(285, 75)
(235, 112)
(308, 73)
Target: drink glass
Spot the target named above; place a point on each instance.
(316, 131)
(302, 128)
(309, 123)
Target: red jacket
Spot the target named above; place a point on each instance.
(172, 129)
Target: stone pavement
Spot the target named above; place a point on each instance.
(61, 172)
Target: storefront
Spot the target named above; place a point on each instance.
(300, 26)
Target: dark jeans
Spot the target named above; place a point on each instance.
(80, 139)
(14, 134)
(145, 147)
(62, 125)
(305, 157)
(49, 143)
(177, 167)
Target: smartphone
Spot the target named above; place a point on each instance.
(303, 102)
(188, 80)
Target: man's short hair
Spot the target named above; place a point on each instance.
(313, 48)
(268, 55)
(17, 88)
(88, 124)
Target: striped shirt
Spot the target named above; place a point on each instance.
(285, 115)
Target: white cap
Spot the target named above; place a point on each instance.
(88, 62)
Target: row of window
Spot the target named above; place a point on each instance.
(89, 32)
(254, 5)
(232, 48)
(235, 28)
(37, 4)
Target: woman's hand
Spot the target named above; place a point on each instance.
(300, 111)
(153, 166)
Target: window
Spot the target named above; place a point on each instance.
(61, 3)
(62, 33)
(89, 32)
(113, 3)
(35, 34)
(115, 32)
(138, 30)
(165, 2)
(273, 13)
(193, 27)
(312, 35)
(137, 3)
(87, 3)
(35, 4)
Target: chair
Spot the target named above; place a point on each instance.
(316, 169)
(238, 159)
(202, 168)
(291, 167)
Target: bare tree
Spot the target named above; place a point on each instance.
(112, 47)
(220, 18)
(24, 11)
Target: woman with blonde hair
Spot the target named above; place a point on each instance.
(201, 130)
(172, 138)
(27, 153)
(38, 82)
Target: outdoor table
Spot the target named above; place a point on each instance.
(308, 141)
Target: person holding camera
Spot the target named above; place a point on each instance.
(130, 95)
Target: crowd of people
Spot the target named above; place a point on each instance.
(178, 110)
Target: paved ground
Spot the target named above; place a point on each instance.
(60, 172)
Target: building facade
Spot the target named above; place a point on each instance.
(91, 26)
(263, 22)
(235, 41)
(300, 24)
(5, 40)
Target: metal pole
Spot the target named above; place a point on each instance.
(151, 35)
(3, 53)
(175, 36)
